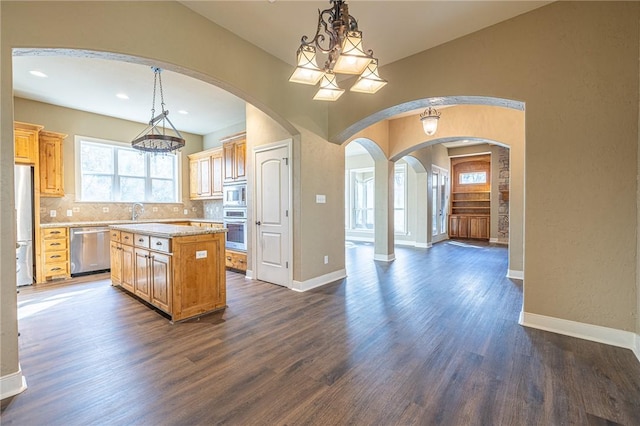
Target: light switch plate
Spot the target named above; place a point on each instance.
(52, 213)
(69, 212)
(201, 254)
(321, 198)
(105, 210)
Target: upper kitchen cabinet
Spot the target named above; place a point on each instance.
(26, 142)
(51, 169)
(205, 175)
(234, 154)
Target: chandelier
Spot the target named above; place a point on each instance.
(155, 138)
(345, 55)
(429, 119)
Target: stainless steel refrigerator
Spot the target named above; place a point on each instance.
(24, 224)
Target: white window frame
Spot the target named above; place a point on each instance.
(121, 145)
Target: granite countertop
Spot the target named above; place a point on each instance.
(165, 229)
(120, 222)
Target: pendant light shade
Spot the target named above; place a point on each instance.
(369, 81)
(352, 59)
(307, 71)
(329, 90)
(429, 120)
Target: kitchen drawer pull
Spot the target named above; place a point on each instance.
(55, 256)
(126, 238)
(228, 257)
(159, 243)
(55, 244)
(141, 240)
(56, 269)
(55, 232)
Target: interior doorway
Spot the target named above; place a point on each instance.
(440, 203)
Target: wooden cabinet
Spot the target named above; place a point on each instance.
(115, 253)
(182, 275)
(479, 227)
(51, 164)
(55, 253)
(122, 260)
(205, 175)
(234, 157)
(26, 142)
(471, 197)
(236, 260)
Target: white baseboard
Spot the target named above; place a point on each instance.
(516, 275)
(594, 333)
(493, 240)
(423, 245)
(406, 243)
(319, 281)
(12, 384)
(385, 257)
(248, 274)
(359, 239)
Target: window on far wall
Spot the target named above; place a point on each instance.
(472, 178)
(115, 172)
(360, 199)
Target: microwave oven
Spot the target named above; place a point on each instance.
(235, 195)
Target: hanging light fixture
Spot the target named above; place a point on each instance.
(429, 119)
(155, 138)
(345, 55)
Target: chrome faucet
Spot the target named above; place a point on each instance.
(136, 210)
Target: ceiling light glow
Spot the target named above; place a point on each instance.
(122, 96)
(183, 112)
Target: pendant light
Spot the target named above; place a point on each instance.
(155, 137)
(429, 119)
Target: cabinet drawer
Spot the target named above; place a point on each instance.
(53, 269)
(236, 260)
(126, 238)
(115, 236)
(50, 233)
(141, 240)
(160, 244)
(55, 256)
(51, 245)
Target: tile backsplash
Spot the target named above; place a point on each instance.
(85, 211)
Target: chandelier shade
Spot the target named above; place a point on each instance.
(429, 120)
(369, 81)
(352, 59)
(307, 71)
(329, 90)
(338, 37)
(156, 137)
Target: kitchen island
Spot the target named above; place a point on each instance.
(176, 268)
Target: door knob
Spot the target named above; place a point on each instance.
(258, 223)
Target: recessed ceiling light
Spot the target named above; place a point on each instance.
(38, 74)
(183, 112)
(122, 96)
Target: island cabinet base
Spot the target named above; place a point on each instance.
(200, 269)
(180, 273)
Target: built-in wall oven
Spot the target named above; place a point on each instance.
(235, 220)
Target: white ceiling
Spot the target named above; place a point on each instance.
(393, 29)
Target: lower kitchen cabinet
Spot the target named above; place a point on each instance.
(182, 275)
(55, 253)
(236, 260)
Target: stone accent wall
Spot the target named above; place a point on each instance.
(503, 187)
(81, 212)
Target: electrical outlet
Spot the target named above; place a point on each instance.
(194, 209)
(155, 209)
(326, 260)
(52, 213)
(105, 210)
(186, 211)
(321, 199)
(69, 213)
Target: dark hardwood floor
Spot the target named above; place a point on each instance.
(431, 338)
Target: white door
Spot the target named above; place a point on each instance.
(272, 215)
(440, 203)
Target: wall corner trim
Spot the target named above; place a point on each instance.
(319, 281)
(493, 240)
(249, 274)
(594, 333)
(385, 257)
(12, 384)
(516, 275)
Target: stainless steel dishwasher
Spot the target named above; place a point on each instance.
(89, 250)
